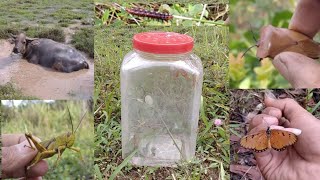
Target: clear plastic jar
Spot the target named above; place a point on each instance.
(161, 81)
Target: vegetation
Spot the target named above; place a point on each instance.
(7, 91)
(48, 120)
(48, 13)
(212, 152)
(247, 72)
(83, 41)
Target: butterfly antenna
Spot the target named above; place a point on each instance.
(80, 121)
(248, 50)
(254, 38)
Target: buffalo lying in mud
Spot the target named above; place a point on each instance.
(49, 53)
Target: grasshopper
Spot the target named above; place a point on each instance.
(57, 145)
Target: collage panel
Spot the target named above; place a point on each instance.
(46, 49)
(32, 131)
(274, 45)
(161, 14)
(146, 118)
(178, 89)
(274, 133)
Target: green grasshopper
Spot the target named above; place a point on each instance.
(57, 145)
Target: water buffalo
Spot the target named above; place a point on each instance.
(49, 53)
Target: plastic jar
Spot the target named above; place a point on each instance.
(161, 82)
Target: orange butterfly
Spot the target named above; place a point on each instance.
(267, 139)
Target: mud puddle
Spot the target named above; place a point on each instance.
(44, 83)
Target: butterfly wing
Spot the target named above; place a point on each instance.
(257, 142)
(281, 139)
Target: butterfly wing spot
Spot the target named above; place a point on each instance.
(280, 140)
(257, 142)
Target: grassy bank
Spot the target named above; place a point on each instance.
(7, 91)
(49, 13)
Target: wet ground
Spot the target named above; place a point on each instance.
(44, 83)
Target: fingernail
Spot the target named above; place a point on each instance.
(295, 131)
(270, 120)
(269, 94)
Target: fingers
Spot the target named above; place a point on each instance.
(299, 70)
(12, 139)
(272, 111)
(291, 110)
(39, 169)
(306, 18)
(16, 158)
(261, 122)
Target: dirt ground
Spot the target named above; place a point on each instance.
(44, 83)
(242, 102)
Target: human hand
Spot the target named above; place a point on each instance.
(301, 71)
(16, 157)
(306, 18)
(299, 161)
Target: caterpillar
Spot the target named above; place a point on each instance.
(150, 14)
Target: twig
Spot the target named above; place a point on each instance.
(202, 14)
(204, 21)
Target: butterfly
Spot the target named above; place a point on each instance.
(267, 139)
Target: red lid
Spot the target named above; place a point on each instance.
(163, 42)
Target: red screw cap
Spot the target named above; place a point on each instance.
(163, 42)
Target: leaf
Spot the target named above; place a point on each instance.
(123, 164)
(195, 11)
(105, 16)
(97, 172)
(222, 172)
(264, 73)
(245, 84)
(282, 16)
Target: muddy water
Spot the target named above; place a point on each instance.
(44, 83)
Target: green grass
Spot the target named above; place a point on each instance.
(83, 41)
(32, 12)
(7, 91)
(50, 120)
(55, 34)
(212, 152)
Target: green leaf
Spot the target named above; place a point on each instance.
(123, 164)
(97, 172)
(281, 16)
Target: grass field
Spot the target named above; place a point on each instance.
(212, 151)
(50, 120)
(52, 13)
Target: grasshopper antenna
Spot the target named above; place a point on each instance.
(80, 121)
(70, 118)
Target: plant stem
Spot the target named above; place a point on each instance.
(204, 21)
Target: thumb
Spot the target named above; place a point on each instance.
(301, 71)
(15, 159)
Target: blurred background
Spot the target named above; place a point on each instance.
(249, 72)
(49, 119)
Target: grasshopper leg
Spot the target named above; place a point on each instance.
(59, 155)
(39, 147)
(41, 156)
